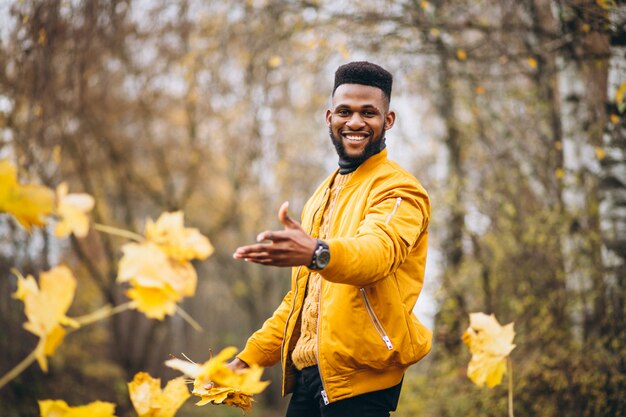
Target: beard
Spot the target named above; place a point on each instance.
(374, 146)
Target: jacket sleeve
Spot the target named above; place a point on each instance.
(264, 346)
(391, 225)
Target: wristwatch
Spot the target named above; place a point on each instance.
(321, 256)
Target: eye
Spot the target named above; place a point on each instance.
(369, 113)
(342, 112)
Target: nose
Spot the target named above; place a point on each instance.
(355, 122)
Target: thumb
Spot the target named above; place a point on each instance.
(284, 218)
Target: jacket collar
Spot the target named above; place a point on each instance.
(363, 170)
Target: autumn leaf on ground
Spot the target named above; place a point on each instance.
(45, 307)
(177, 241)
(72, 210)
(59, 408)
(157, 281)
(29, 203)
(150, 400)
(489, 344)
(216, 383)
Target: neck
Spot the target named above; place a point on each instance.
(348, 165)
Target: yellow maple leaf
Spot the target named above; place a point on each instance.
(559, 173)
(461, 55)
(157, 281)
(490, 344)
(177, 241)
(25, 286)
(275, 61)
(600, 153)
(606, 4)
(72, 210)
(150, 400)
(216, 383)
(43, 38)
(46, 306)
(59, 408)
(532, 62)
(29, 203)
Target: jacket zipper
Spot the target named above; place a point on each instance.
(395, 208)
(377, 324)
(319, 308)
(330, 215)
(293, 303)
(317, 353)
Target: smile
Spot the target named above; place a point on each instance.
(355, 137)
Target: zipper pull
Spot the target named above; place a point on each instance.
(388, 342)
(325, 397)
(393, 211)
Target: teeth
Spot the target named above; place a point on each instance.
(358, 138)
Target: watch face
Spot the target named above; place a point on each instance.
(323, 257)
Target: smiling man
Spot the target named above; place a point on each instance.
(345, 333)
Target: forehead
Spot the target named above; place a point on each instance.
(359, 95)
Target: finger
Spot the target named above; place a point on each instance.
(284, 218)
(245, 251)
(274, 236)
(267, 235)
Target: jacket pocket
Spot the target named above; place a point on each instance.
(375, 321)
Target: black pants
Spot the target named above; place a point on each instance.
(307, 401)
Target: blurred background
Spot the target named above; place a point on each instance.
(510, 112)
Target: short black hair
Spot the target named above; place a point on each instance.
(366, 73)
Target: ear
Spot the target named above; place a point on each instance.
(390, 119)
(328, 117)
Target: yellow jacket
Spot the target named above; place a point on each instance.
(367, 332)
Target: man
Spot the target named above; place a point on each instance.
(345, 333)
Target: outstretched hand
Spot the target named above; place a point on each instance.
(289, 247)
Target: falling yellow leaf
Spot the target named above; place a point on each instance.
(29, 203)
(275, 61)
(177, 241)
(532, 62)
(606, 4)
(480, 90)
(559, 173)
(46, 306)
(72, 210)
(461, 55)
(558, 145)
(216, 383)
(424, 5)
(490, 344)
(157, 281)
(585, 28)
(150, 400)
(59, 408)
(42, 37)
(434, 32)
(600, 153)
(614, 118)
